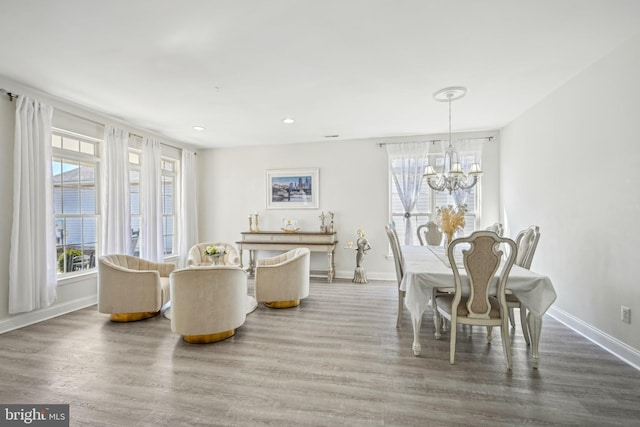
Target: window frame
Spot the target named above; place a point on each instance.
(61, 154)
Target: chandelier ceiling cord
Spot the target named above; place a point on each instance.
(452, 177)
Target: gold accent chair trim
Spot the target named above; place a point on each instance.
(209, 338)
(132, 317)
(283, 304)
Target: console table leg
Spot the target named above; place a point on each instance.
(331, 270)
(252, 262)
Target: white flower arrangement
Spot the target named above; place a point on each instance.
(214, 250)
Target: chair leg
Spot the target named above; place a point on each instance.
(506, 344)
(400, 308)
(452, 343)
(489, 332)
(523, 321)
(437, 318)
(512, 319)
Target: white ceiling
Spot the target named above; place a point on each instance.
(354, 68)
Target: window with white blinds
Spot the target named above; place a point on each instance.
(429, 200)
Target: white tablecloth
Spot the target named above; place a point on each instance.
(425, 269)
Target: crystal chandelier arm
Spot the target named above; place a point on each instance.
(465, 185)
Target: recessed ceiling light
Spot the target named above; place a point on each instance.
(199, 128)
(288, 121)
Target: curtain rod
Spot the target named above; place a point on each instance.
(13, 96)
(382, 144)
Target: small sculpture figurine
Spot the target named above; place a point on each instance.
(323, 217)
(332, 227)
(362, 246)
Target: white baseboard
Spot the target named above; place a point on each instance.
(614, 346)
(17, 321)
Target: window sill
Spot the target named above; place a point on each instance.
(68, 279)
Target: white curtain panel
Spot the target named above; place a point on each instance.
(32, 260)
(114, 200)
(408, 161)
(189, 208)
(151, 242)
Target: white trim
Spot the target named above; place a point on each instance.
(614, 346)
(26, 319)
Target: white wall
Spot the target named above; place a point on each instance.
(353, 183)
(570, 165)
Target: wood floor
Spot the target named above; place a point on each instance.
(336, 360)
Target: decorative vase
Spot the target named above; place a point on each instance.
(449, 238)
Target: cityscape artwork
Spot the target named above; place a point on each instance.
(292, 188)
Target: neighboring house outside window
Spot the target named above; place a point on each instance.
(75, 195)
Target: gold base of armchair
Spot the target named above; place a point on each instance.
(208, 338)
(283, 304)
(132, 317)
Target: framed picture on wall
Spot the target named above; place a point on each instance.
(293, 189)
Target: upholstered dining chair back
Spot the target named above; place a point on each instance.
(283, 280)
(484, 304)
(132, 288)
(496, 228)
(196, 254)
(527, 242)
(394, 242)
(208, 303)
(430, 234)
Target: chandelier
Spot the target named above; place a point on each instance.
(452, 176)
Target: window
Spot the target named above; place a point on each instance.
(168, 190)
(429, 200)
(168, 167)
(74, 168)
(134, 199)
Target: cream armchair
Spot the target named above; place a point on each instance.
(196, 254)
(131, 288)
(208, 303)
(282, 281)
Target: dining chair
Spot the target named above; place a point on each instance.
(430, 234)
(526, 243)
(397, 259)
(496, 228)
(483, 305)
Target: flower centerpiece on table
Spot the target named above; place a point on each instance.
(450, 220)
(214, 250)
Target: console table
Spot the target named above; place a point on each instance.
(281, 241)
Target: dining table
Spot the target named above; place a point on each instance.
(426, 268)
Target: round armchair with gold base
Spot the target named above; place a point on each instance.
(209, 303)
(282, 281)
(132, 288)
